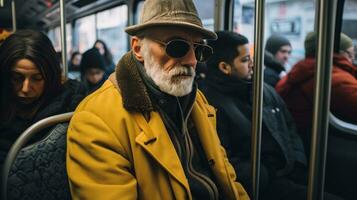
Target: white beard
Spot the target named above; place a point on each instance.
(168, 82)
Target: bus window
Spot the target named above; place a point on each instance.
(85, 32)
(138, 13)
(206, 12)
(350, 21)
(110, 26)
(55, 37)
(293, 19)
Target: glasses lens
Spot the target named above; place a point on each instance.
(203, 52)
(177, 48)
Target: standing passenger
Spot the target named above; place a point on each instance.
(276, 56)
(30, 85)
(148, 133)
(229, 88)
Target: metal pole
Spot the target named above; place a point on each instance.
(63, 38)
(258, 96)
(219, 14)
(13, 11)
(326, 13)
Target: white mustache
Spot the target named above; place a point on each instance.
(182, 71)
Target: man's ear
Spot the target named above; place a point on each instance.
(136, 47)
(225, 68)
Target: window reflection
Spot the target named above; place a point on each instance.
(85, 31)
(205, 10)
(110, 25)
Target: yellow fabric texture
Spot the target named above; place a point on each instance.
(114, 154)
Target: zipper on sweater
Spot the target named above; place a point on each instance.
(205, 181)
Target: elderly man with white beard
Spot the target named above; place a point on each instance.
(148, 132)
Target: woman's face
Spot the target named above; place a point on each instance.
(100, 48)
(77, 59)
(27, 81)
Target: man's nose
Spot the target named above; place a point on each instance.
(190, 58)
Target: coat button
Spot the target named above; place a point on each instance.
(273, 111)
(211, 162)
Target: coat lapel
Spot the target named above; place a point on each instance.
(155, 140)
(210, 143)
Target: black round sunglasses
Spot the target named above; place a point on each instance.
(178, 48)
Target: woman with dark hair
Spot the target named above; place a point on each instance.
(108, 57)
(31, 85)
(75, 61)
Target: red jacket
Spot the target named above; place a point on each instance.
(297, 89)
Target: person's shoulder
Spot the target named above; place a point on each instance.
(102, 100)
(270, 93)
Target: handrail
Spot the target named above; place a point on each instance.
(13, 14)
(342, 125)
(23, 139)
(326, 14)
(257, 96)
(63, 38)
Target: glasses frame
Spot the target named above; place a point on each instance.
(193, 45)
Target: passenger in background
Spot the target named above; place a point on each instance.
(31, 88)
(297, 88)
(148, 133)
(229, 88)
(92, 69)
(277, 53)
(74, 62)
(108, 57)
(74, 69)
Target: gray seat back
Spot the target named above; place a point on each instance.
(38, 171)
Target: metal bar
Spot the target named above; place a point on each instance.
(338, 26)
(13, 13)
(326, 13)
(63, 38)
(219, 14)
(257, 96)
(229, 17)
(23, 139)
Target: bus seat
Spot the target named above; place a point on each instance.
(38, 171)
(341, 161)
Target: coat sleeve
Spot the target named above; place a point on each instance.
(97, 166)
(344, 96)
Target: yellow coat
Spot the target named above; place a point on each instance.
(116, 154)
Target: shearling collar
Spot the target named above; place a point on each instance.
(129, 82)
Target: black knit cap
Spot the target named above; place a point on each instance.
(274, 43)
(92, 59)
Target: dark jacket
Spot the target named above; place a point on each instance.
(272, 70)
(72, 93)
(281, 146)
(297, 89)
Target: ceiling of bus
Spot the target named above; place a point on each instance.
(42, 14)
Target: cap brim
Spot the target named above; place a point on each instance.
(207, 34)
